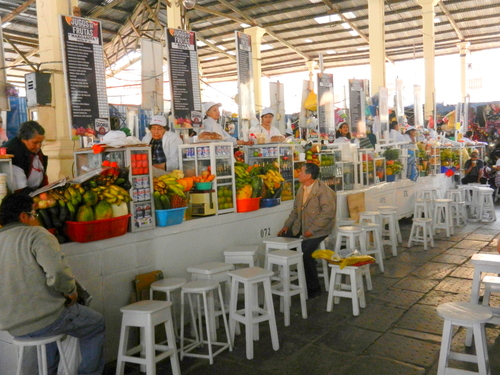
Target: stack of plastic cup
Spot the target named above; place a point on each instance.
(3, 186)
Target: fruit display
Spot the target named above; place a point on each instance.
(100, 197)
(287, 191)
(205, 176)
(225, 197)
(313, 157)
(170, 189)
(248, 181)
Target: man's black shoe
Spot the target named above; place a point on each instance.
(314, 293)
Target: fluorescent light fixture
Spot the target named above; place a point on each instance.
(6, 24)
(228, 39)
(232, 53)
(244, 25)
(210, 58)
(211, 41)
(353, 32)
(199, 43)
(316, 1)
(362, 48)
(308, 40)
(265, 47)
(437, 20)
(331, 52)
(345, 25)
(349, 15)
(222, 48)
(327, 19)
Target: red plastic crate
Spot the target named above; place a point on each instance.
(96, 230)
(247, 205)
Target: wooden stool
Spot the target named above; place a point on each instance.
(375, 247)
(471, 201)
(168, 286)
(242, 255)
(422, 208)
(252, 314)
(491, 284)
(486, 205)
(282, 243)
(353, 290)
(354, 237)
(388, 217)
(442, 216)
(206, 290)
(147, 315)
(369, 217)
(469, 315)
(285, 260)
(41, 351)
(424, 225)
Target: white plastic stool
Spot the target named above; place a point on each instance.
(422, 208)
(442, 216)
(471, 201)
(458, 209)
(491, 284)
(354, 236)
(285, 260)
(204, 289)
(41, 350)
(147, 315)
(430, 193)
(375, 247)
(252, 314)
(369, 217)
(242, 255)
(486, 205)
(388, 217)
(423, 225)
(469, 315)
(323, 266)
(282, 243)
(168, 286)
(353, 290)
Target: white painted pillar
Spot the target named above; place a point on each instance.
(464, 54)
(256, 33)
(54, 119)
(376, 24)
(174, 16)
(429, 40)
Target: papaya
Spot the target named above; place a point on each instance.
(119, 210)
(103, 210)
(90, 198)
(256, 184)
(85, 213)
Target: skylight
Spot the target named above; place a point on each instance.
(327, 19)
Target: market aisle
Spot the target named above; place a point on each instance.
(398, 332)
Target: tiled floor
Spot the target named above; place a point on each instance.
(398, 332)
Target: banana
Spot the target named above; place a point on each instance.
(166, 178)
(161, 184)
(177, 191)
(71, 190)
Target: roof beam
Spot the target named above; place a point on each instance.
(20, 9)
(451, 20)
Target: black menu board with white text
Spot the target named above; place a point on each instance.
(84, 69)
(184, 79)
(357, 107)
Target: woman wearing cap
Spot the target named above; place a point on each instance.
(411, 134)
(342, 134)
(29, 165)
(266, 118)
(210, 124)
(164, 145)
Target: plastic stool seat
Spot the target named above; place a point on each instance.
(252, 314)
(41, 349)
(147, 315)
(354, 290)
(424, 225)
(392, 232)
(242, 255)
(468, 315)
(442, 216)
(376, 248)
(491, 285)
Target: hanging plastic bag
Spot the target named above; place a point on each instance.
(311, 102)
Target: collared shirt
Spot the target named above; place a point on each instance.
(307, 191)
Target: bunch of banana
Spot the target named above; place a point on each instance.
(272, 179)
(168, 185)
(242, 176)
(323, 254)
(115, 194)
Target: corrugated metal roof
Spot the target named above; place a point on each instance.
(293, 34)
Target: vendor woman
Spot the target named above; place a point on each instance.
(210, 124)
(164, 145)
(266, 128)
(29, 164)
(342, 135)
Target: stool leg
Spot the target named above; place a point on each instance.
(424, 235)
(362, 300)
(122, 350)
(208, 319)
(62, 357)
(331, 287)
(379, 255)
(285, 280)
(224, 319)
(412, 234)
(354, 291)
(174, 359)
(368, 276)
(324, 265)
(249, 327)
(255, 302)
(272, 318)
(20, 360)
(487, 293)
(302, 285)
(394, 239)
(232, 308)
(481, 349)
(43, 357)
(149, 347)
(445, 347)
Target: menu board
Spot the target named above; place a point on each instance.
(245, 80)
(83, 58)
(184, 80)
(357, 107)
(326, 116)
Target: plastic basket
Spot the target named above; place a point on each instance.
(269, 202)
(247, 205)
(96, 230)
(165, 218)
(203, 185)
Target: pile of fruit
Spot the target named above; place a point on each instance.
(101, 197)
(205, 176)
(287, 192)
(225, 197)
(169, 190)
(248, 183)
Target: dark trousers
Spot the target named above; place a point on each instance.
(473, 179)
(309, 246)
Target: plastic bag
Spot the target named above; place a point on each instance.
(117, 138)
(311, 101)
(353, 258)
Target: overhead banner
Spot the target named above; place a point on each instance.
(152, 75)
(357, 107)
(326, 110)
(245, 82)
(383, 108)
(184, 78)
(419, 107)
(84, 70)
(277, 99)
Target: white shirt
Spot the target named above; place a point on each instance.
(210, 125)
(269, 133)
(170, 143)
(396, 136)
(342, 140)
(33, 181)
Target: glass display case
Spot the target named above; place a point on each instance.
(366, 167)
(344, 176)
(216, 158)
(327, 167)
(138, 161)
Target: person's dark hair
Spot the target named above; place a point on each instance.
(29, 130)
(468, 133)
(12, 206)
(393, 124)
(338, 134)
(312, 169)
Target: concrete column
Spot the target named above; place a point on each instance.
(58, 145)
(464, 53)
(376, 24)
(311, 64)
(174, 16)
(256, 33)
(429, 40)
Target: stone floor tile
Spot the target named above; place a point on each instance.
(377, 317)
(464, 272)
(368, 364)
(416, 284)
(432, 270)
(348, 338)
(469, 244)
(455, 285)
(450, 258)
(480, 237)
(422, 318)
(399, 298)
(437, 297)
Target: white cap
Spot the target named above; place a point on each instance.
(209, 105)
(158, 120)
(339, 125)
(410, 128)
(267, 111)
